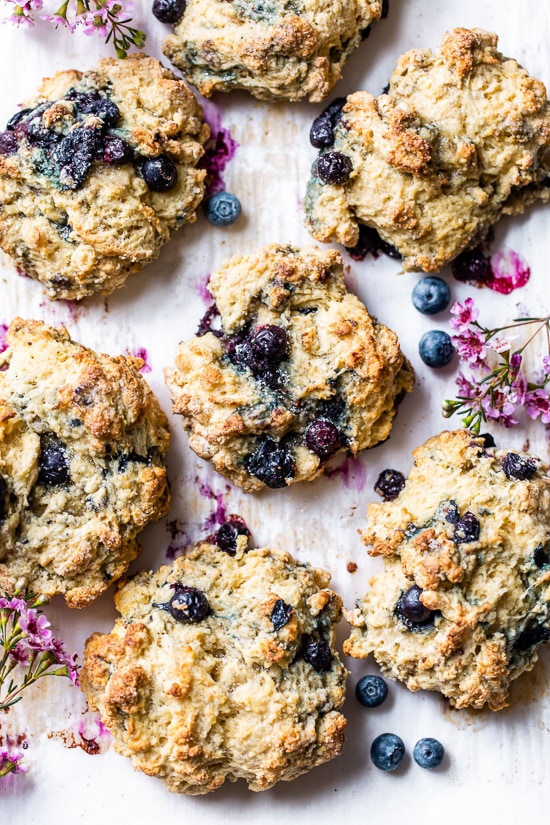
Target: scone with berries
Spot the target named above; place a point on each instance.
(276, 50)
(83, 443)
(461, 137)
(222, 667)
(295, 372)
(96, 171)
(463, 602)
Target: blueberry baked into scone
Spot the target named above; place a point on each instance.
(83, 442)
(222, 666)
(277, 50)
(298, 371)
(463, 602)
(461, 137)
(96, 171)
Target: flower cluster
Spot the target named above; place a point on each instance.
(497, 385)
(108, 18)
(10, 761)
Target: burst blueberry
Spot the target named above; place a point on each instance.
(428, 753)
(226, 536)
(472, 265)
(436, 348)
(53, 461)
(387, 751)
(389, 484)
(272, 463)
(168, 11)
(280, 614)
(8, 143)
(371, 691)
(323, 438)
(431, 295)
(317, 653)
(75, 154)
(466, 529)
(115, 151)
(518, 467)
(370, 243)
(188, 605)
(333, 167)
(222, 209)
(160, 173)
(411, 610)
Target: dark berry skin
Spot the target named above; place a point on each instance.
(333, 167)
(53, 461)
(125, 459)
(472, 265)
(8, 143)
(160, 173)
(168, 11)
(280, 614)
(226, 535)
(272, 463)
(17, 118)
(370, 243)
(317, 654)
(541, 555)
(411, 610)
(517, 467)
(323, 438)
(431, 295)
(387, 751)
(436, 348)
(188, 604)
(321, 134)
(428, 753)
(450, 512)
(75, 154)
(533, 634)
(271, 342)
(488, 440)
(3, 496)
(115, 151)
(371, 691)
(222, 209)
(466, 529)
(93, 103)
(389, 484)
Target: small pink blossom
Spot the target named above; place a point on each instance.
(502, 344)
(537, 403)
(467, 387)
(465, 314)
(11, 761)
(36, 630)
(498, 406)
(471, 347)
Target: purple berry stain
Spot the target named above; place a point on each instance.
(94, 737)
(353, 473)
(142, 353)
(3, 339)
(202, 290)
(219, 514)
(218, 151)
(502, 272)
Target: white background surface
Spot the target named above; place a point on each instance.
(497, 763)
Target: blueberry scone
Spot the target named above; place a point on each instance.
(275, 50)
(461, 138)
(463, 602)
(96, 171)
(83, 442)
(222, 666)
(298, 372)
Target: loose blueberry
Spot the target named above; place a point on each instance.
(53, 461)
(389, 484)
(472, 265)
(116, 151)
(428, 753)
(316, 653)
(370, 243)
(160, 173)
(431, 295)
(272, 463)
(271, 342)
(226, 535)
(333, 167)
(8, 143)
(387, 751)
(222, 209)
(280, 614)
(410, 609)
(371, 691)
(466, 529)
(3, 497)
(169, 11)
(188, 604)
(436, 348)
(321, 134)
(517, 467)
(323, 438)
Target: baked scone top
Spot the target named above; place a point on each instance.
(82, 464)
(222, 667)
(463, 602)
(77, 212)
(460, 138)
(275, 50)
(333, 383)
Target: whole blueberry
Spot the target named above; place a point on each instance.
(321, 134)
(428, 753)
(436, 348)
(472, 265)
(317, 653)
(411, 610)
(115, 151)
(518, 467)
(168, 11)
(271, 342)
(371, 691)
(323, 438)
(226, 535)
(387, 751)
(466, 529)
(3, 497)
(160, 173)
(280, 614)
(333, 167)
(431, 295)
(222, 209)
(188, 604)
(389, 484)
(53, 461)
(272, 463)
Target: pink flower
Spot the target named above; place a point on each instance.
(36, 629)
(470, 346)
(498, 406)
(502, 344)
(467, 387)
(63, 658)
(10, 761)
(20, 654)
(537, 403)
(465, 314)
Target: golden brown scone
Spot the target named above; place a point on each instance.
(275, 50)
(82, 464)
(461, 138)
(95, 173)
(222, 666)
(463, 601)
(299, 371)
